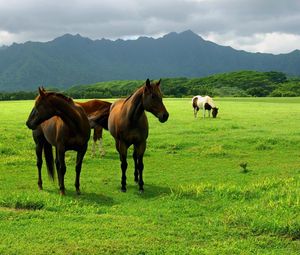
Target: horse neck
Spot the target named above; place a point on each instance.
(212, 105)
(135, 105)
(68, 113)
(210, 102)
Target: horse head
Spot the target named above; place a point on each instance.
(152, 101)
(41, 111)
(214, 112)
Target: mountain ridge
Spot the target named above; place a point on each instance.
(73, 59)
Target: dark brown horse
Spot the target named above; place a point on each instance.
(94, 108)
(57, 121)
(128, 124)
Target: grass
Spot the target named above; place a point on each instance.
(197, 200)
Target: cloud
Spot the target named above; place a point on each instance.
(247, 24)
(275, 43)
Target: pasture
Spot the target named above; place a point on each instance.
(197, 199)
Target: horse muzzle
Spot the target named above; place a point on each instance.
(30, 125)
(163, 117)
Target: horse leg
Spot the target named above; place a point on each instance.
(61, 169)
(209, 113)
(122, 149)
(80, 156)
(93, 149)
(101, 149)
(39, 163)
(39, 140)
(98, 136)
(140, 150)
(136, 173)
(94, 143)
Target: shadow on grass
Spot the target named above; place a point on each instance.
(150, 191)
(86, 197)
(95, 198)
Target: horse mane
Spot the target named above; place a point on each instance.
(66, 98)
(127, 98)
(143, 87)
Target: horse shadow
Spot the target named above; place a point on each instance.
(95, 198)
(151, 191)
(89, 198)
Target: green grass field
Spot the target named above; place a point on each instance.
(197, 199)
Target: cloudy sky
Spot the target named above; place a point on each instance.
(270, 26)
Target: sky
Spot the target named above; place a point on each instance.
(268, 26)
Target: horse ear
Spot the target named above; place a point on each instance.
(148, 83)
(158, 83)
(41, 91)
(148, 86)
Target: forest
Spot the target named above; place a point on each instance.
(233, 84)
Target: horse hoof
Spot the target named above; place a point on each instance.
(141, 191)
(40, 188)
(123, 190)
(62, 193)
(78, 192)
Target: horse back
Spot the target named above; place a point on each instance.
(94, 105)
(198, 102)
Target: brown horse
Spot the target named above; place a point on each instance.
(57, 121)
(128, 124)
(94, 108)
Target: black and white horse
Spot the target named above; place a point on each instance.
(204, 103)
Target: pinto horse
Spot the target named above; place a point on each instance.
(205, 103)
(94, 108)
(128, 124)
(57, 121)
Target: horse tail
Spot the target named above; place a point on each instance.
(100, 117)
(49, 159)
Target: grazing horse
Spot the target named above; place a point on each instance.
(205, 103)
(93, 108)
(128, 124)
(57, 121)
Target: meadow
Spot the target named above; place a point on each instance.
(198, 198)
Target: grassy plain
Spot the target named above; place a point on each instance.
(197, 200)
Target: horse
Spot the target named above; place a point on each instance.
(57, 121)
(93, 108)
(128, 124)
(205, 103)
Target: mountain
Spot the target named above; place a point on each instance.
(73, 60)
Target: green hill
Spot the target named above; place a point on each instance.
(236, 84)
(243, 83)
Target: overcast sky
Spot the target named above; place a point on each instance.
(270, 26)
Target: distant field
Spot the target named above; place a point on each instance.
(197, 200)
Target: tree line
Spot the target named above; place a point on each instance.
(235, 84)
